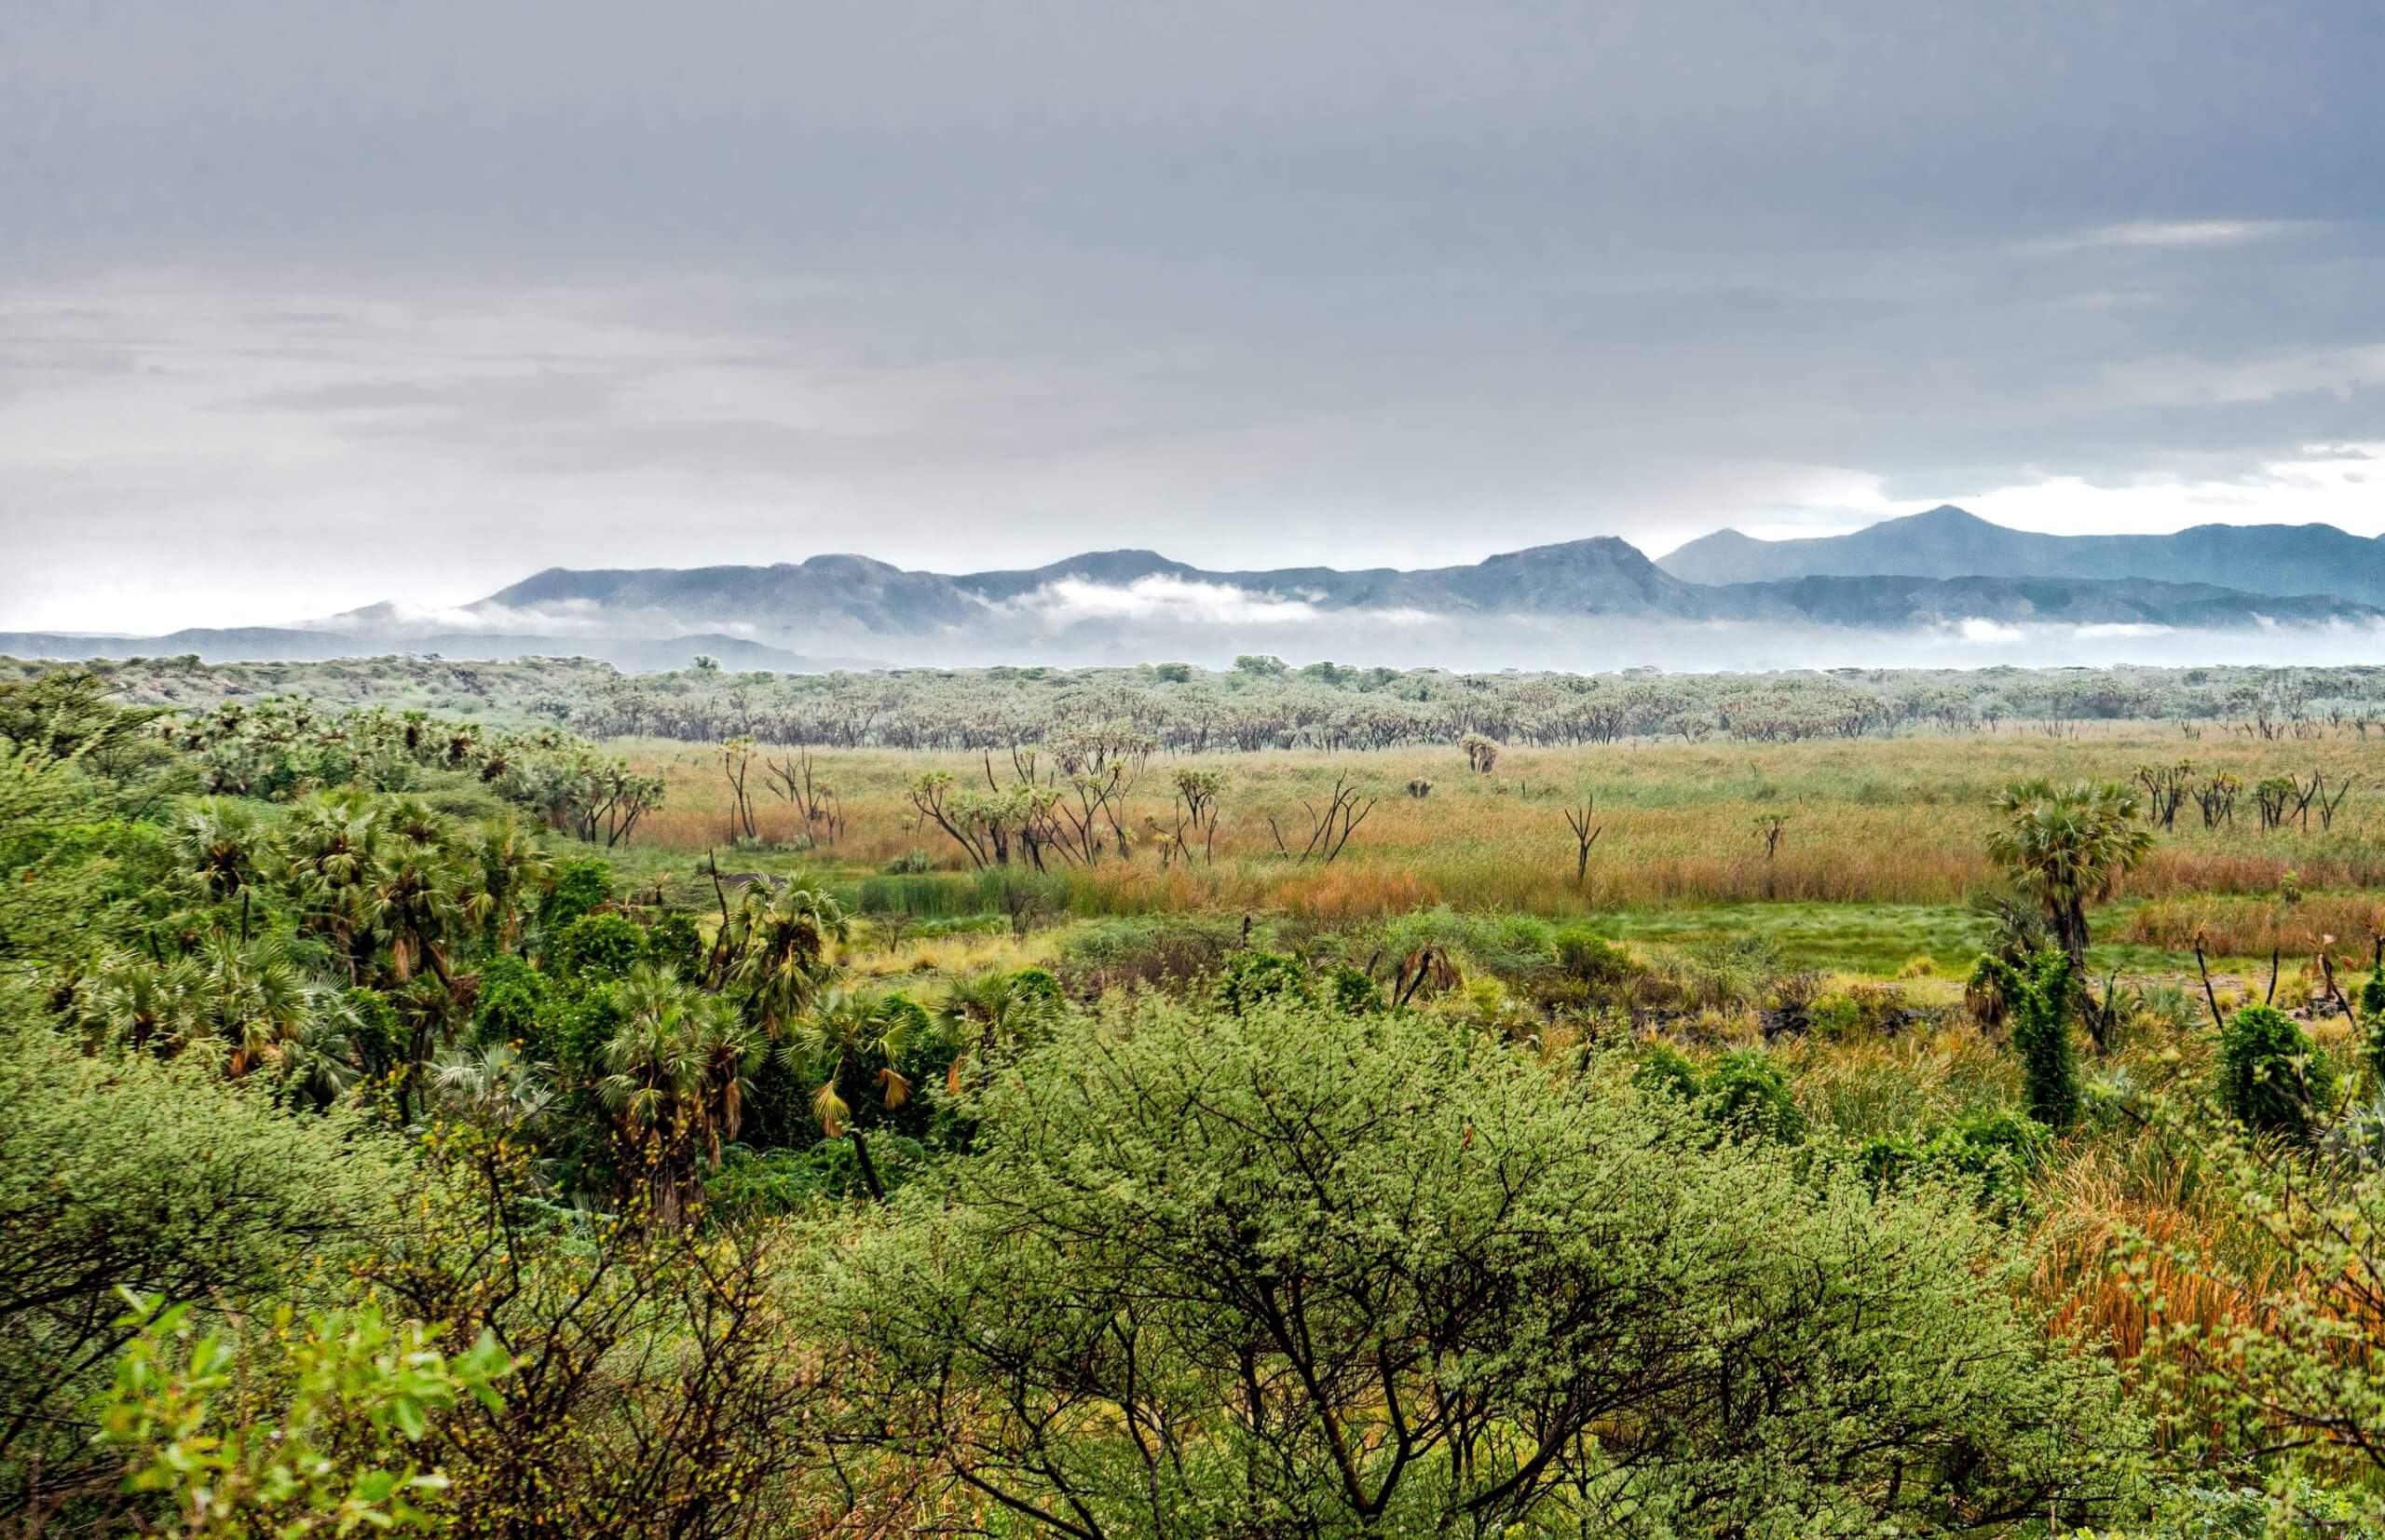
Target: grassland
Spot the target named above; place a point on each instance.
(1881, 851)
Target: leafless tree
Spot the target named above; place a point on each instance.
(1329, 826)
(1586, 834)
(822, 808)
(737, 764)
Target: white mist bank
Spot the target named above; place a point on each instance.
(1484, 644)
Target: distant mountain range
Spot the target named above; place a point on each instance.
(1945, 568)
(1948, 542)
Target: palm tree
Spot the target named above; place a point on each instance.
(412, 894)
(140, 1001)
(2068, 847)
(331, 847)
(513, 865)
(321, 1062)
(778, 952)
(675, 1080)
(250, 996)
(1002, 1010)
(496, 1085)
(222, 852)
(840, 1040)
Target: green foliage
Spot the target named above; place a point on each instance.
(117, 1168)
(1352, 992)
(1146, 951)
(2039, 998)
(2293, 1366)
(516, 1004)
(1991, 1153)
(1746, 1096)
(2068, 847)
(1253, 978)
(579, 886)
(1666, 1070)
(587, 1024)
(374, 1029)
(672, 941)
(1720, 973)
(2372, 1029)
(2273, 1079)
(596, 947)
(1375, 1219)
(1588, 958)
(322, 1436)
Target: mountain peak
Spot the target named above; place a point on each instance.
(1943, 516)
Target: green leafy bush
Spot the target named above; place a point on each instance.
(317, 1432)
(2273, 1079)
(1746, 1096)
(2039, 999)
(1351, 992)
(579, 886)
(1401, 1212)
(1253, 978)
(1591, 960)
(597, 948)
(1667, 1070)
(1990, 1152)
(516, 1004)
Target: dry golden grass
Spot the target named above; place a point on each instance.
(1869, 821)
(2099, 1205)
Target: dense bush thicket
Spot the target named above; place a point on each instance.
(1264, 705)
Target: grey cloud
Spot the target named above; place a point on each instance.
(462, 289)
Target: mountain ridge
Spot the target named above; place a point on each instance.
(842, 609)
(1947, 542)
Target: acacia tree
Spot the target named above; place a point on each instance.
(2068, 847)
(1295, 1272)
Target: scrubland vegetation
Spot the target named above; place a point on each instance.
(517, 1100)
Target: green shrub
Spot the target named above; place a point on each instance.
(1038, 985)
(2039, 999)
(1724, 973)
(1667, 1070)
(1592, 960)
(588, 1024)
(1352, 992)
(160, 1174)
(1749, 1097)
(1362, 1197)
(515, 1005)
(1252, 976)
(1146, 951)
(673, 942)
(380, 1037)
(2372, 1022)
(2273, 1079)
(1833, 1016)
(580, 886)
(596, 947)
(1991, 1153)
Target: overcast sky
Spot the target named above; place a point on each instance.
(308, 305)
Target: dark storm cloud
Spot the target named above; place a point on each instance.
(461, 289)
